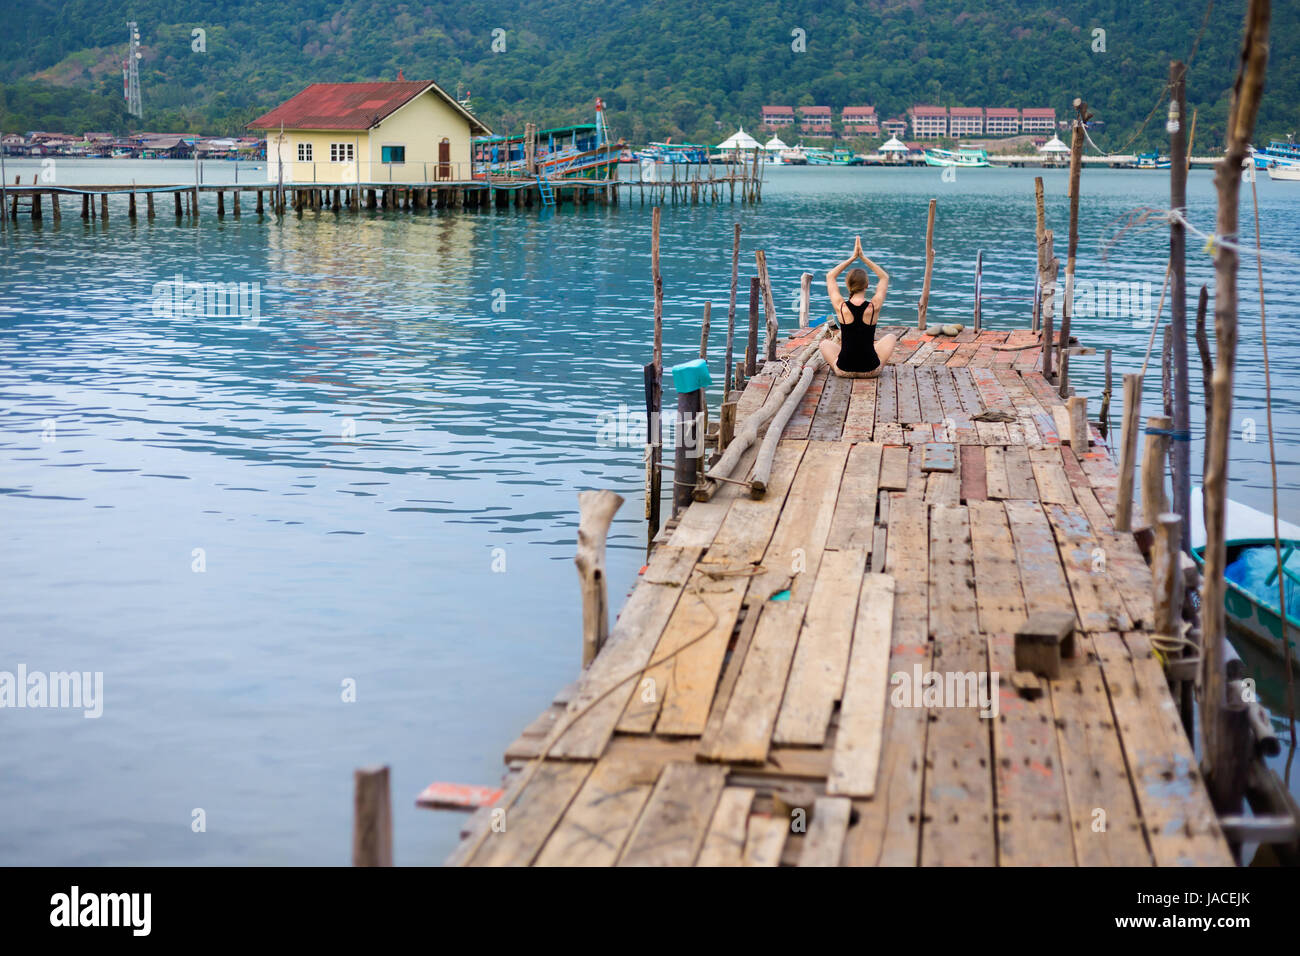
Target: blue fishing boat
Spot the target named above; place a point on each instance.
(964, 156)
(1150, 161)
(581, 151)
(1276, 155)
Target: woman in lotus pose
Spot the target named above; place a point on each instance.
(857, 352)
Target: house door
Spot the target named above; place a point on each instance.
(444, 159)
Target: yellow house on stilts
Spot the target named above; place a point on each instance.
(355, 134)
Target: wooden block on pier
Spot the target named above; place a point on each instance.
(1042, 641)
(938, 456)
(893, 468)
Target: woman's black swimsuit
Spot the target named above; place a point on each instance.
(858, 341)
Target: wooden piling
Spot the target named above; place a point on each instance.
(769, 344)
(805, 297)
(929, 267)
(1181, 448)
(596, 511)
(148, 205)
(1047, 284)
(221, 204)
(179, 211)
(690, 447)
(731, 309)
(259, 210)
(54, 205)
(1067, 302)
(1077, 408)
(1132, 412)
(726, 425)
(235, 203)
(85, 206)
(1040, 233)
(103, 206)
(130, 206)
(979, 287)
(1166, 575)
(372, 818)
(751, 344)
(1220, 761)
(1155, 457)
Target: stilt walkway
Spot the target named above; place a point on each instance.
(755, 702)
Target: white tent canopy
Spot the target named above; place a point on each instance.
(774, 144)
(739, 140)
(893, 146)
(1054, 145)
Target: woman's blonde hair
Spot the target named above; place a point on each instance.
(857, 281)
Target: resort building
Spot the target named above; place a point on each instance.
(815, 120)
(1036, 120)
(1001, 121)
(929, 122)
(777, 116)
(896, 127)
(965, 121)
(401, 132)
(859, 121)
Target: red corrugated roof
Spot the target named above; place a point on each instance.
(355, 106)
(966, 111)
(778, 109)
(859, 111)
(929, 111)
(1001, 112)
(1038, 113)
(815, 110)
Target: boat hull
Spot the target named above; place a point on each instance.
(944, 157)
(1290, 174)
(1251, 618)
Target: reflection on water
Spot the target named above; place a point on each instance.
(417, 403)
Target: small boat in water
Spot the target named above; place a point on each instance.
(971, 157)
(582, 151)
(1251, 594)
(1150, 161)
(1277, 153)
(794, 157)
(1284, 173)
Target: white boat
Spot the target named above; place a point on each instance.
(1285, 173)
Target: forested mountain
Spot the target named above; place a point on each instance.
(690, 69)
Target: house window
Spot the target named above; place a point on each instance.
(341, 152)
(393, 154)
(304, 152)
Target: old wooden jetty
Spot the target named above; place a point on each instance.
(759, 699)
(738, 182)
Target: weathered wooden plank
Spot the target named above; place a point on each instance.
(909, 404)
(887, 396)
(942, 488)
(889, 433)
(1020, 475)
(1042, 579)
(746, 732)
(974, 478)
(997, 484)
(1033, 808)
(699, 524)
(676, 818)
(795, 551)
(724, 845)
(765, 840)
(1180, 822)
(1049, 476)
(1130, 575)
(598, 821)
(856, 760)
(893, 467)
(860, 420)
(748, 527)
(1105, 826)
(821, 659)
(853, 525)
(671, 564)
(530, 819)
(887, 831)
(823, 845)
(1084, 561)
(958, 829)
(1001, 602)
(828, 423)
(927, 394)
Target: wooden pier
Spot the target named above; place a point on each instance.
(747, 708)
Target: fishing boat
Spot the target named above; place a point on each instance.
(794, 157)
(1284, 173)
(817, 156)
(1251, 594)
(1277, 153)
(964, 156)
(581, 151)
(1150, 161)
(675, 154)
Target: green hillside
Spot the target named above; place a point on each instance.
(686, 69)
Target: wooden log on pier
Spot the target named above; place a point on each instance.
(1166, 574)
(372, 818)
(767, 451)
(1155, 457)
(596, 512)
(924, 303)
(769, 344)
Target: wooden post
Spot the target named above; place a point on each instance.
(1067, 303)
(1051, 266)
(731, 310)
(979, 281)
(130, 206)
(690, 447)
(372, 818)
(1040, 232)
(1167, 369)
(1132, 412)
(148, 205)
(1166, 575)
(726, 425)
(653, 449)
(929, 267)
(103, 206)
(1077, 405)
(259, 210)
(704, 331)
(179, 211)
(1219, 760)
(658, 289)
(1207, 373)
(1154, 459)
(221, 204)
(236, 202)
(596, 512)
(54, 204)
(738, 379)
(704, 398)
(769, 342)
(751, 345)
(85, 206)
(1182, 446)
(805, 294)
(1104, 419)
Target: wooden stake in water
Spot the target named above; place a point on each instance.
(929, 267)
(731, 309)
(1182, 446)
(1067, 303)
